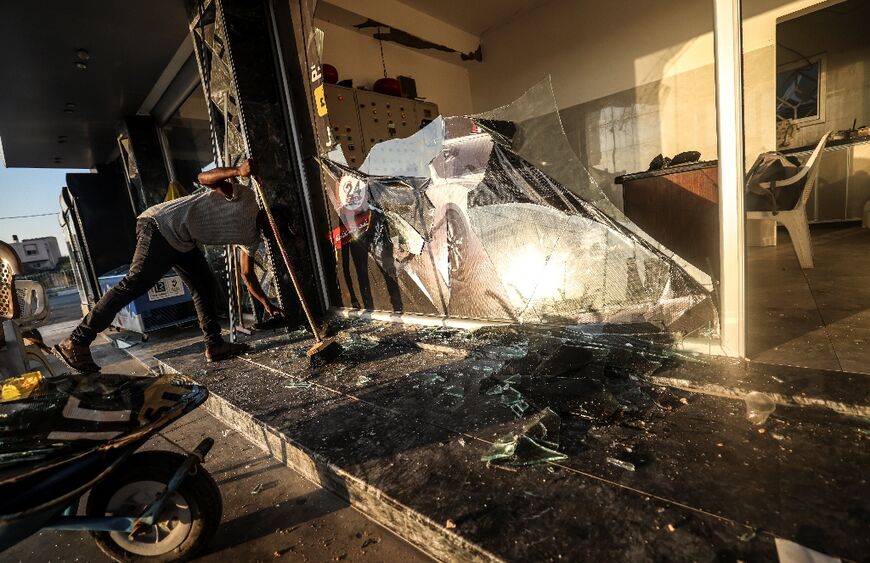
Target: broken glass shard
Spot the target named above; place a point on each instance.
(628, 466)
(298, 384)
(519, 407)
(509, 397)
(535, 441)
(758, 407)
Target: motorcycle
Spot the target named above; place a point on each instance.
(66, 437)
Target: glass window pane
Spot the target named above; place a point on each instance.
(797, 92)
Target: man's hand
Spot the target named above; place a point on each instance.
(273, 310)
(247, 168)
(249, 276)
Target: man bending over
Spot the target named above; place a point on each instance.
(167, 236)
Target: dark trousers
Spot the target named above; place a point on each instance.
(154, 256)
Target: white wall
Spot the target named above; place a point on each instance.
(634, 78)
(640, 70)
(592, 49)
(358, 56)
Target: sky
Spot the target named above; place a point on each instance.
(30, 191)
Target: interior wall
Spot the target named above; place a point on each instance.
(839, 33)
(633, 78)
(358, 56)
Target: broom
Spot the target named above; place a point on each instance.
(325, 349)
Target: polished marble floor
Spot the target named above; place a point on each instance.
(818, 318)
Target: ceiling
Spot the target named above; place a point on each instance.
(474, 16)
(130, 44)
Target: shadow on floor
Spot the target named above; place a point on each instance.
(275, 518)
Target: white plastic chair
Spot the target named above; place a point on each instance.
(23, 308)
(795, 219)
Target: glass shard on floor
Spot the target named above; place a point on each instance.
(535, 441)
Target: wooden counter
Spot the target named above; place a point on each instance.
(679, 207)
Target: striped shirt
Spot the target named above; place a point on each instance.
(208, 217)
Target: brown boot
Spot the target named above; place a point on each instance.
(76, 357)
(224, 350)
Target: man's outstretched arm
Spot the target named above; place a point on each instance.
(249, 276)
(217, 176)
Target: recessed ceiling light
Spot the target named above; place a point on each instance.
(83, 54)
(81, 65)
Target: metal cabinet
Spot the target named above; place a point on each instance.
(344, 122)
(359, 119)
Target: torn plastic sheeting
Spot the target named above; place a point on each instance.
(536, 441)
(408, 157)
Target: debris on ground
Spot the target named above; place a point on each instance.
(536, 441)
(758, 407)
(297, 384)
(370, 541)
(619, 463)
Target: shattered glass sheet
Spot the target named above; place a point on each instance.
(69, 414)
(486, 233)
(532, 127)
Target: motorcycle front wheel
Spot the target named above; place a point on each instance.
(185, 526)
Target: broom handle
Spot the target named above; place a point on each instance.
(238, 285)
(286, 258)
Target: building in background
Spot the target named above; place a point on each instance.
(37, 254)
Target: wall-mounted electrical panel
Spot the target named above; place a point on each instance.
(344, 121)
(360, 119)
